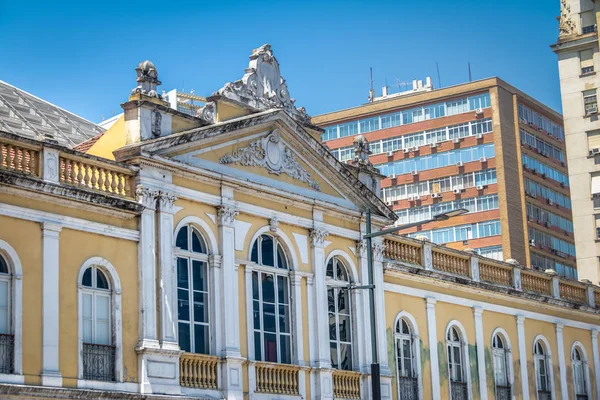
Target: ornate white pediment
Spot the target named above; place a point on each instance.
(271, 153)
(262, 87)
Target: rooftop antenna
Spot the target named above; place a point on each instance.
(371, 91)
(470, 78)
(438, 72)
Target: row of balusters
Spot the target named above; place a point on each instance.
(279, 380)
(573, 293)
(198, 372)
(346, 385)
(18, 159)
(402, 252)
(536, 284)
(80, 174)
(449, 263)
(494, 274)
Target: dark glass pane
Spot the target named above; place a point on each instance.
(267, 251)
(270, 347)
(3, 266)
(268, 288)
(197, 243)
(101, 281)
(340, 272)
(257, 346)
(268, 317)
(254, 254)
(256, 313)
(334, 354)
(184, 337)
(281, 261)
(331, 300)
(182, 238)
(345, 357)
(343, 306)
(405, 328)
(255, 285)
(344, 328)
(284, 349)
(182, 273)
(284, 319)
(183, 305)
(329, 271)
(87, 277)
(199, 275)
(200, 307)
(201, 339)
(282, 290)
(332, 330)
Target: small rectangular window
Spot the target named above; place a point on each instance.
(590, 103)
(597, 218)
(588, 22)
(586, 61)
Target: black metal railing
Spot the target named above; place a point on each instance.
(7, 351)
(588, 29)
(458, 391)
(544, 395)
(587, 70)
(408, 388)
(581, 396)
(503, 393)
(98, 362)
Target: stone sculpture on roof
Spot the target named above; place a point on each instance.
(262, 87)
(147, 79)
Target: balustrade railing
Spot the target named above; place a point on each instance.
(97, 176)
(7, 351)
(346, 384)
(503, 393)
(494, 273)
(544, 395)
(408, 388)
(574, 293)
(98, 362)
(402, 251)
(198, 371)
(458, 391)
(277, 378)
(535, 283)
(19, 158)
(450, 263)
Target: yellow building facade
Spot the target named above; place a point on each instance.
(222, 256)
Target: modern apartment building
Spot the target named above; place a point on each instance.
(577, 50)
(484, 146)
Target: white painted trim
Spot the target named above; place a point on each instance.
(508, 352)
(465, 350)
(288, 248)
(562, 365)
(523, 357)
(16, 286)
(348, 262)
(205, 230)
(588, 385)
(108, 386)
(433, 354)
(416, 349)
(116, 323)
(480, 346)
(12, 378)
(78, 224)
(596, 356)
(549, 365)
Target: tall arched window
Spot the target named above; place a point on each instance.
(340, 315)
(6, 331)
(542, 371)
(580, 373)
(96, 324)
(271, 301)
(192, 291)
(406, 363)
(457, 364)
(501, 364)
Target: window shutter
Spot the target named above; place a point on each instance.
(593, 140)
(588, 18)
(586, 58)
(596, 184)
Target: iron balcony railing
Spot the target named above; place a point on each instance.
(581, 397)
(7, 351)
(503, 393)
(458, 390)
(98, 362)
(408, 388)
(544, 395)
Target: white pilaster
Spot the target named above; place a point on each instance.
(523, 357)
(366, 356)
(380, 325)
(50, 373)
(167, 284)
(296, 280)
(596, 356)
(478, 314)
(433, 354)
(562, 367)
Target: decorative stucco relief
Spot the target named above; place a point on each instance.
(566, 26)
(270, 152)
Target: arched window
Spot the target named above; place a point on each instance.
(406, 363)
(271, 301)
(340, 315)
(96, 324)
(580, 373)
(542, 370)
(6, 331)
(192, 291)
(457, 364)
(501, 364)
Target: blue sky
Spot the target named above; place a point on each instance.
(81, 55)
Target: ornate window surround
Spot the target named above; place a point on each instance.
(508, 356)
(14, 264)
(416, 343)
(549, 364)
(464, 343)
(585, 361)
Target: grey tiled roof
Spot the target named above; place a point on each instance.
(24, 114)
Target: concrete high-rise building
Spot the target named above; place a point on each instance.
(484, 146)
(577, 50)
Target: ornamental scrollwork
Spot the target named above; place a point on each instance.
(146, 196)
(226, 215)
(317, 237)
(166, 201)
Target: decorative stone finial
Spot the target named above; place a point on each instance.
(551, 272)
(422, 238)
(262, 87)
(470, 250)
(566, 26)
(147, 79)
(207, 113)
(512, 261)
(362, 151)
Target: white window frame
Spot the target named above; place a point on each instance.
(507, 353)
(115, 318)
(416, 348)
(586, 369)
(96, 293)
(11, 257)
(548, 359)
(336, 284)
(464, 346)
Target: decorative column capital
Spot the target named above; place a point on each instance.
(317, 237)
(594, 334)
(559, 327)
(215, 260)
(166, 201)
(296, 277)
(430, 302)
(477, 311)
(226, 215)
(378, 250)
(51, 228)
(361, 248)
(274, 224)
(146, 197)
(520, 320)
